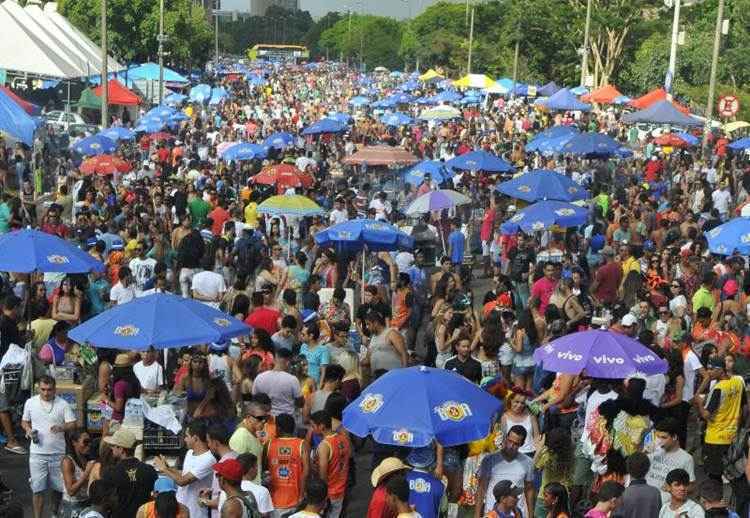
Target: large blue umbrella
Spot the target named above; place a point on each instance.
(244, 151)
(592, 145)
(734, 235)
(161, 321)
(161, 112)
(359, 100)
(543, 140)
(200, 93)
(691, 140)
(150, 125)
(174, 99)
(480, 161)
(343, 118)
(396, 119)
(324, 126)
(357, 234)
(116, 133)
(94, 145)
(27, 251)
(740, 144)
(279, 140)
(435, 168)
(543, 184)
(544, 214)
(413, 406)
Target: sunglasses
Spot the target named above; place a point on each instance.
(259, 417)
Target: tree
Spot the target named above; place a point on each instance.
(373, 40)
(312, 38)
(133, 27)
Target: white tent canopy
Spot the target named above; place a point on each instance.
(34, 43)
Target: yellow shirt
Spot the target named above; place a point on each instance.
(703, 299)
(242, 441)
(721, 427)
(631, 264)
(251, 215)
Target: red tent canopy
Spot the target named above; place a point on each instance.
(604, 95)
(31, 109)
(118, 94)
(653, 96)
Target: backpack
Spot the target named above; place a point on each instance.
(735, 458)
(251, 505)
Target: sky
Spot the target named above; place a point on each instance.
(395, 8)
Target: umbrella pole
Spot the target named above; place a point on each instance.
(362, 289)
(442, 238)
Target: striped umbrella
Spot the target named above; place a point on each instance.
(290, 205)
(436, 200)
(104, 165)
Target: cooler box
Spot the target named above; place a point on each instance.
(77, 397)
(94, 419)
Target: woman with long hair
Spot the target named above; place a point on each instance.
(195, 383)
(76, 469)
(554, 456)
(262, 346)
(517, 413)
(523, 342)
(447, 329)
(672, 402)
(244, 373)
(105, 461)
(66, 305)
(555, 498)
(216, 406)
(37, 305)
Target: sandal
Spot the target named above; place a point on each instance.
(18, 450)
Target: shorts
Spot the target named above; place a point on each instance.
(45, 472)
(506, 355)
(486, 245)
(4, 406)
(713, 459)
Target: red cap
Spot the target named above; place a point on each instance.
(230, 469)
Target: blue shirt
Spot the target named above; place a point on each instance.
(457, 244)
(425, 493)
(316, 358)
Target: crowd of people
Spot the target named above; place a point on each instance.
(263, 432)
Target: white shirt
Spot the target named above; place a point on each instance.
(143, 271)
(261, 494)
(43, 415)
(201, 467)
(151, 377)
(690, 509)
(120, 294)
(518, 471)
(662, 462)
(338, 216)
(209, 284)
(692, 364)
(282, 387)
(721, 200)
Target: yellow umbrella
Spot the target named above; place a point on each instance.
(430, 75)
(729, 127)
(474, 81)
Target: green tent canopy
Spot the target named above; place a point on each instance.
(89, 100)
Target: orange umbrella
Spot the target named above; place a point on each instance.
(669, 139)
(104, 165)
(283, 176)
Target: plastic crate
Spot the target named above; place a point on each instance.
(156, 437)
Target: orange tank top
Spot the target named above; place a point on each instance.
(149, 510)
(285, 466)
(338, 465)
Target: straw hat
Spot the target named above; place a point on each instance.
(386, 467)
(123, 360)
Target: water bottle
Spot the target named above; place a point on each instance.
(35, 436)
(355, 341)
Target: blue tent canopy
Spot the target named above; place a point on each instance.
(548, 90)
(547, 140)
(150, 72)
(580, 90)
(564, 100)
(740, 144)
(662, 112)
(200, 93)
(324, 126)
(592, 145)
(691, 140)
(396, 119)
(14, 121)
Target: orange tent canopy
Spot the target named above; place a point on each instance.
(118, 94)
(604, 95)
(653, 96)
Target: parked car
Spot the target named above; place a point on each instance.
(60, 120)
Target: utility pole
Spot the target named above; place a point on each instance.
(673, 48)
(161, 51)
(585, 62)
(467, 12)
(349, 35)
(471, 41)
(714, 66)
(515, 65)
(216, 35)
(105, 82)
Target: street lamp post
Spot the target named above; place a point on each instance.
(471, 41)
(161, 51)
(714, 66)
(585, 59)
(673, 47)
(105, 85)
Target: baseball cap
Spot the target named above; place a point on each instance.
(165, 485)
(230, 469)
(421, 457)
(730, 288)
(716, 362)
(122, 438)
(628, 320)
(218, 346)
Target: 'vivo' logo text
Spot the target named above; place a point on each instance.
(644, 359)
(603, 359)
(567, 355)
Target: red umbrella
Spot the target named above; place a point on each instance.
(162, 135)
(104, 165)
(669, 139)
(284, 176)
